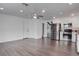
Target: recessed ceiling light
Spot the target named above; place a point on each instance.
(54, 17)
(43, 11)
(21, 11)
(70, 3)
(1, 8)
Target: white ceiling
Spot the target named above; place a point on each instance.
(52, 9)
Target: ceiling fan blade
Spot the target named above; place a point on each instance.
(40, 16)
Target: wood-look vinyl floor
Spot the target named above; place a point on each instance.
(38, 47)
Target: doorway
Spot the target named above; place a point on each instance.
(52, 30)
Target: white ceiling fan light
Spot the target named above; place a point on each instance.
(34, 17)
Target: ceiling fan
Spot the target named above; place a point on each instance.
(37, 16)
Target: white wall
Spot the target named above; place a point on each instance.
(32, 28)
(10, 28)
(14, 28)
